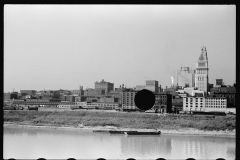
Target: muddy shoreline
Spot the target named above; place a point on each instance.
(184, 132)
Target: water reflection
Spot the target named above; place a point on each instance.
(145, 146)
(32, 143)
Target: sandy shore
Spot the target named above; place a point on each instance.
(185, 131)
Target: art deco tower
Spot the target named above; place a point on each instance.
(201, 75)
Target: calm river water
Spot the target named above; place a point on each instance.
(33, 143)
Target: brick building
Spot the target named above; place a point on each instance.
(163, 103)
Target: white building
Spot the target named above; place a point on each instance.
(205, 104)
(216, 104)
(193, 104)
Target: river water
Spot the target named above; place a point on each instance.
(33, 143)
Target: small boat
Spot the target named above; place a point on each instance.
(143, 133)
(119, 132)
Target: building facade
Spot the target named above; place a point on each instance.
(7, 97)
(80, 99)
(140, 87)
(186, 77)
(219, 82)
(177, 104)
(193, 104)
(94, 92)
(215, 104)
(204, 104)
(127, 99)
(227, 92)
(103, 85)
(152, 85)
(201, 75)
(78, 92)
(108, 100)
(163, 103)
(28, 92)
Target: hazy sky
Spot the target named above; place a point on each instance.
(65, 46)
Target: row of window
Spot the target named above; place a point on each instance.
(210, 106)
(215, 107)
(200, 78)
(195, 106)
(216, 102)
(107, 105)
(194, 98)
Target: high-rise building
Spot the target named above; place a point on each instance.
(186, 77)
(103, 85)
(152, 85)
(201, 75)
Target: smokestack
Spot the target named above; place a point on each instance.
(172, 78)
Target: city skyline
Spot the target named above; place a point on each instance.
(67, 46)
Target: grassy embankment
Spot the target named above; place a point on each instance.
(124, 120)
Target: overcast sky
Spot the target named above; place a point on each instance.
(65, 46)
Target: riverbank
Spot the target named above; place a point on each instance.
(89, 120)
(185, 132)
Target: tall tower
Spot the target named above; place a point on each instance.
(201, 75)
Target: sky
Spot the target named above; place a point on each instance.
(55, 47)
